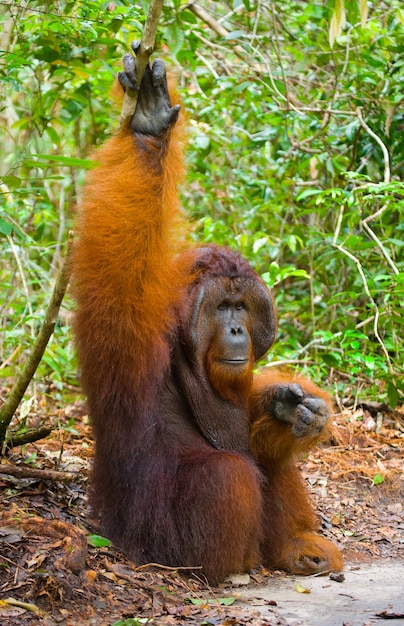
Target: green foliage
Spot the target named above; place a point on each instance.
(57, 66)
(305, 156)
(296, 158)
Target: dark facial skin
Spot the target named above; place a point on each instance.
(232, 340)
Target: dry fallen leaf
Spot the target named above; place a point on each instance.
(238, 580)
(300, 589)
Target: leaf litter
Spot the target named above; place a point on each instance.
(53, 569)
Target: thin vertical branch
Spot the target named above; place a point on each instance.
(24, 378)
(143, 54)
(372, 134)
(22, 273)
(374, 305)
(383, 250)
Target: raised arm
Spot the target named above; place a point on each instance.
(125, 279)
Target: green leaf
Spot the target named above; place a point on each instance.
(53, 135)
(332, 359)
(307, 193)
(98, 542)
(392, 394)
(5, 372)
(175, 36)
(202, 141)
(11, 181)
(197, 601)
(370, 361)
(378, 479)
(228, 601)
(62, 160)
(5, 228)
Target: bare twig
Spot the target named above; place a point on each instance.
(322, 111)
(143, 54)
(207, 18)
(167, 567)
(10, 357)
(379, 141)
(24, 471)
(256, 22)
(374, 305)
(215, 26)
(22, 274)
(382, 248)
(339, 224)
(364, 223)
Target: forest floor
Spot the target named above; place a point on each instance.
(50, 573)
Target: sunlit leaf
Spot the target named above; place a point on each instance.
(363, 10)
(338, 21)
(26, 407)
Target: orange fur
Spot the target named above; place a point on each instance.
(162, 492)
(290, 539)
(234, 386)
(173, 479)
(128, 229)
(273, 441)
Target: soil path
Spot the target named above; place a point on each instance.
(370, 594)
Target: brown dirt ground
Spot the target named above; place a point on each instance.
(50, 575)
